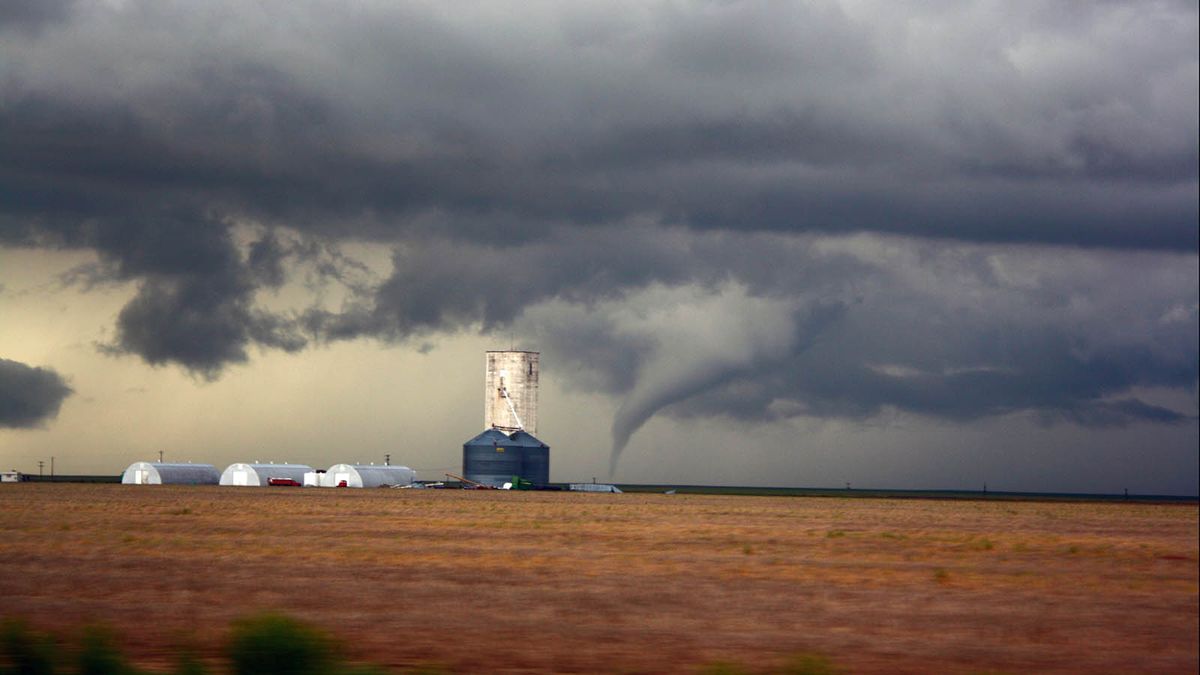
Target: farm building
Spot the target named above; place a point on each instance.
(256, 475)
(494, 458)
(13, 476)
(367, 475)
(507, 448)
(158, 473)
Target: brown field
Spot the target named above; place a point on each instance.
(563, 582)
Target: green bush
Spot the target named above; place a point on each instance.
(99, 655)
(24, 651)
(271, 644)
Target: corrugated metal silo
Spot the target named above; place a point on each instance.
(535, 458)
(367, 475)
(491, 458)
(260, 474)
(160, 473)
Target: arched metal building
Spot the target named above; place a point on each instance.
(493, 458)
(367, 475)
(159, 473)
(261, 474)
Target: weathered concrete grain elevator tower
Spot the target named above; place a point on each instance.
(510, 396)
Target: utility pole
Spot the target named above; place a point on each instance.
(40, 465)
(51, 467)
(387, 459)
(160, 454)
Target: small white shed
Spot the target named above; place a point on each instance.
(13, 476)
(367, 475)
(159, 473)
(258, 475)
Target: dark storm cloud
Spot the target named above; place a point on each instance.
(1049, 379)
(440, 284)
(29, 396)
(200, 323)
(367, 120)
(563, 169)
(195, 300)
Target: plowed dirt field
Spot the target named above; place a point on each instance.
(482, 581)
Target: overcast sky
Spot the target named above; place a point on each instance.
(919, 245)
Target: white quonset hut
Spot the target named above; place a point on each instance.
(260, 475)
(367, 475)
(158, 473)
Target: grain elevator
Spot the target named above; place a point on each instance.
(508, 448)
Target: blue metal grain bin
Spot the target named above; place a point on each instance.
(491, 458)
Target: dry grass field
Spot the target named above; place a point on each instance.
(477, 581)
